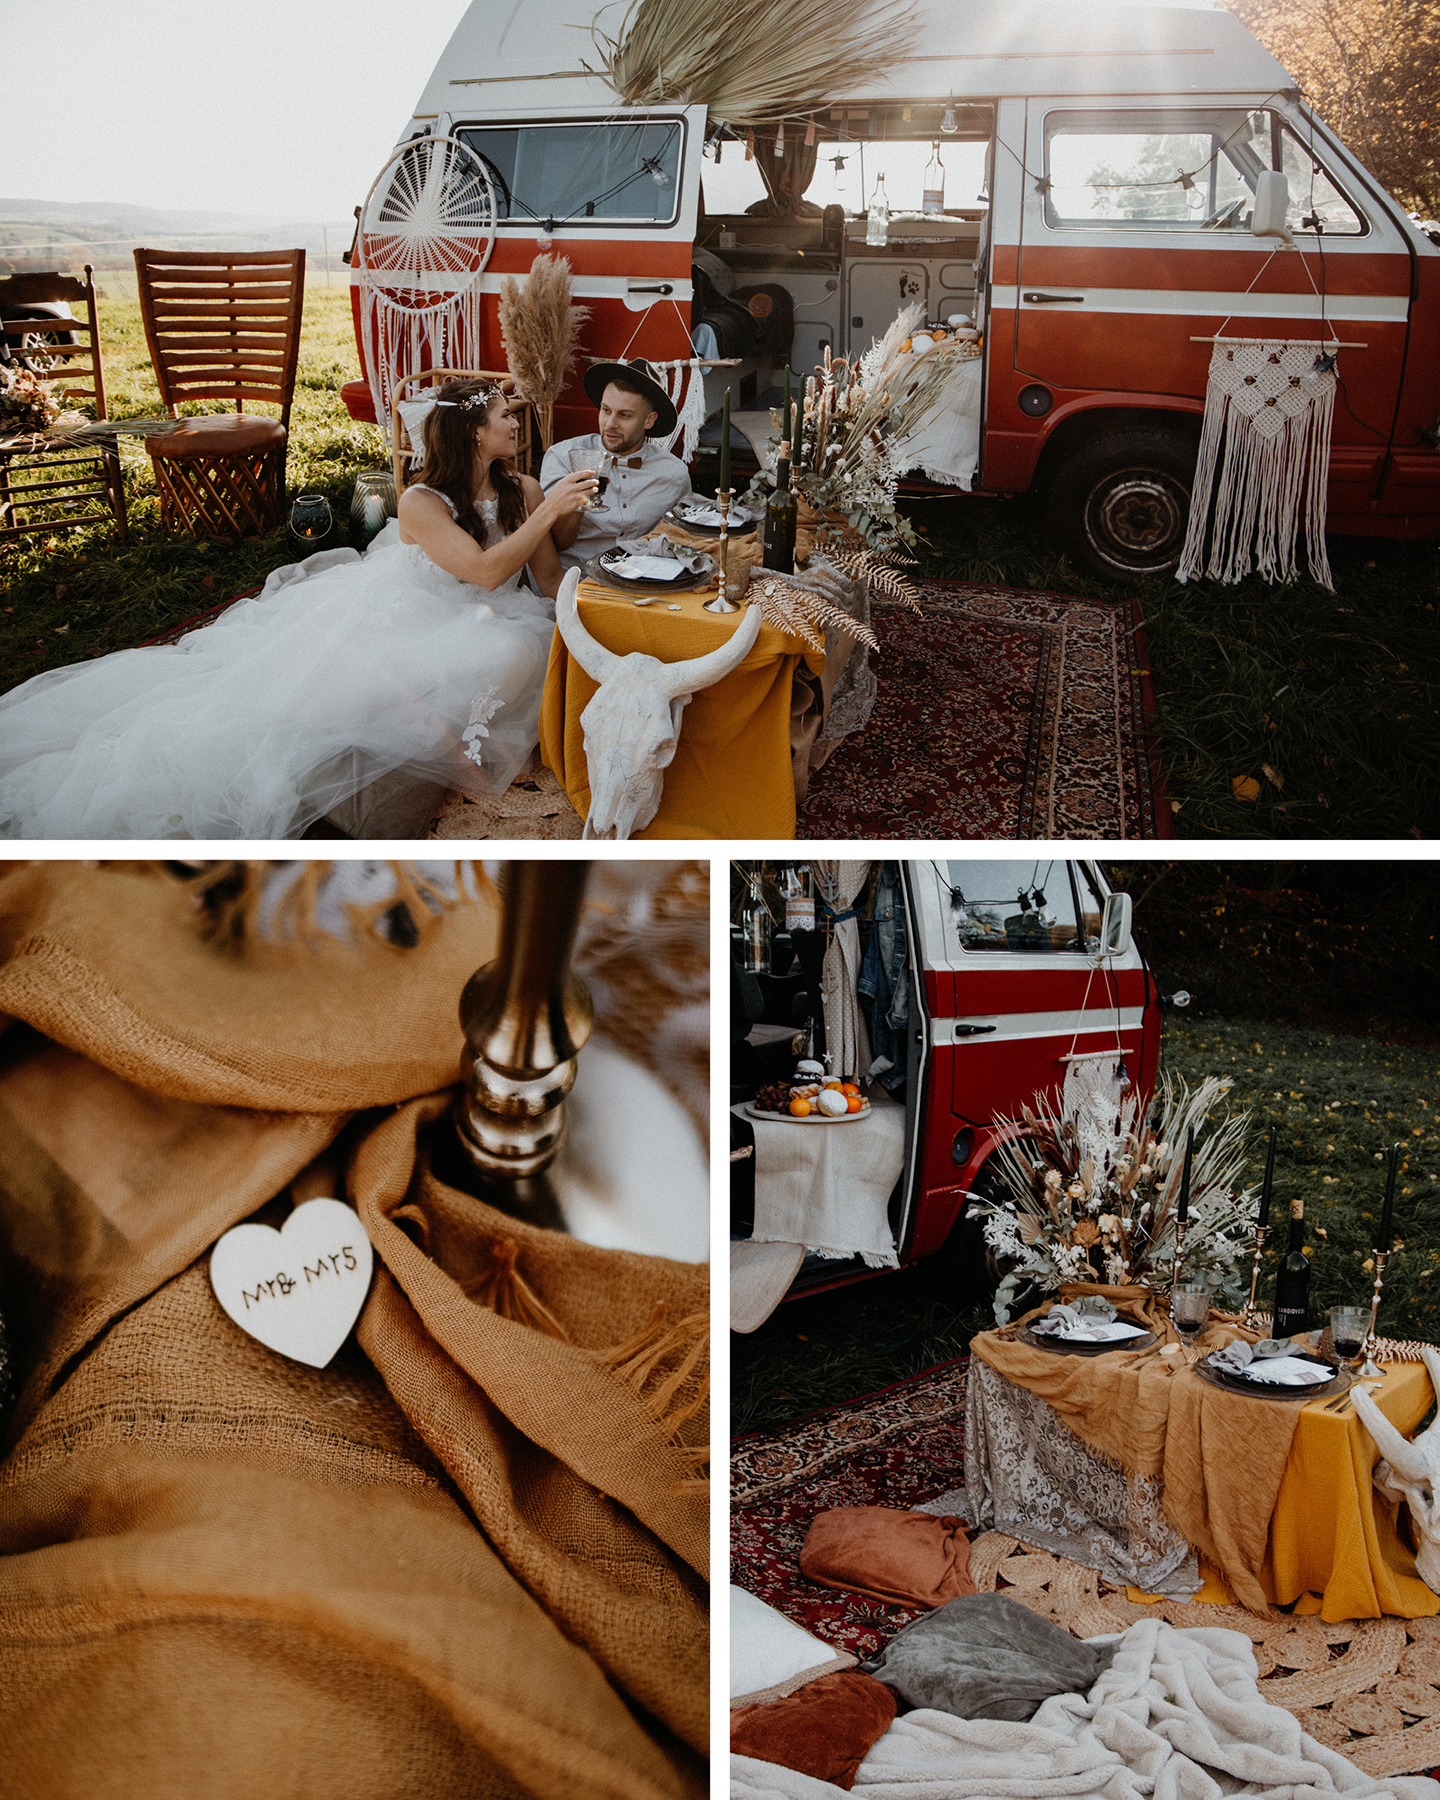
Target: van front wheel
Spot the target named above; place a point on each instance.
(1120, 505)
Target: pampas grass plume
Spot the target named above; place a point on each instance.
(540, 329)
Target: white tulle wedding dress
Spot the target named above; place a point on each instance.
(346, 675)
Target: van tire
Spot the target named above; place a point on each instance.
(1120, 505)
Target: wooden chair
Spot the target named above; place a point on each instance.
(401, 447)
(62, 486)
(222, 325)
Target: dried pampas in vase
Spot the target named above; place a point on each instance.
(540, 329)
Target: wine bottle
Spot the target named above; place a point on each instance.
(755, 929)
(932, 193)
(780, 513)
(877, 223)
(1292, 1284)
(799, 901)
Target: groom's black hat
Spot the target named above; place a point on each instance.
(641, 374)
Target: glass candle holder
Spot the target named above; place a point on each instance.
(372, 503)
(312, 525)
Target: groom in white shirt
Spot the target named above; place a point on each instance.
(645, 480)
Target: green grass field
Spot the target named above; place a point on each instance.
(1338, 1103)
(1330, 703)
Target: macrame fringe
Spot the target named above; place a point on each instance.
(231, 894)
(675, 1396)
(1262, 488)
(400, 340)
(690, 416)
(505, 1291)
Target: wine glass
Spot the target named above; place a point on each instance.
(1348, 1328)
(1189, 1309)
(596, 463)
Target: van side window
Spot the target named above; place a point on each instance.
(1314, 197)
(1027, 905)
(627, 173)
(1161, 171)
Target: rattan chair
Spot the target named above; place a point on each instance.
(222, 325)
(46, 488)
(401, 448)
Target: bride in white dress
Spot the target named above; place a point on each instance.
(421, 662)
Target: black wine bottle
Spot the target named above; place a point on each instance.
(780, 516)
(1292, 1284)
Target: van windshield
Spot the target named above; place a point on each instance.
(622, 172)
(1026, 905)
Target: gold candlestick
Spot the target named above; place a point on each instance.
(1179, 1251)
(722, 603)
(1370, 1366)
(525, 1017)
(1261, 1233)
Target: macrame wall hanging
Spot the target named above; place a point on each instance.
(1264, 461)
(687, 379)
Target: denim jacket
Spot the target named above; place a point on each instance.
(882, 975)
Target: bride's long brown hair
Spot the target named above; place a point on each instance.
(451, 456)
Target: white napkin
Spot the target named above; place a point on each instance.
(1087, 1326)
(692, 514)
(644, 568)
(664, 559)
(1286, 1371)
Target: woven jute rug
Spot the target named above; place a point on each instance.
(1001, 713)
(1369, 1688)
(533, 806)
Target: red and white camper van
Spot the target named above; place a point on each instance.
(1108, 240)
(1016, 968)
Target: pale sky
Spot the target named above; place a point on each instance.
(253, 106)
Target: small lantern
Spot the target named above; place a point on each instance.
(371, 505)
(312, 526)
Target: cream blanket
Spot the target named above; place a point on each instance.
(828, 1186)
(1176, 1716)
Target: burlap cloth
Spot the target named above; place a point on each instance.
(466, 1559)
(1222, 1456)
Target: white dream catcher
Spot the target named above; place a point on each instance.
(426, 232)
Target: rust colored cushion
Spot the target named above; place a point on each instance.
(218, 434)
(902, 1558)
(826, 1730)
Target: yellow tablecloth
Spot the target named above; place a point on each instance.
(731, 776)
(1333, 1547)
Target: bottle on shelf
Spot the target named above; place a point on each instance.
(799, 900)
(755, 929)
(877, 228)
(932, 193)
(1292, 1284)
(780, 519)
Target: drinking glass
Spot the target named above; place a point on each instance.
(596, 463)
(1190, 1309)
(1348, 1326)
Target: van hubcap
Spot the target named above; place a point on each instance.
(1137, 519)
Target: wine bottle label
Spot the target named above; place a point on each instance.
(800, 915)
(1288, 1320)
(932, 200)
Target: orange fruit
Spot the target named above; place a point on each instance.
(853, 1102)
(849, 1087)
(800, 1108)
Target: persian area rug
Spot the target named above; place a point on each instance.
(1001, 713)
(1368, 1688)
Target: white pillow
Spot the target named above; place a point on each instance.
(770, 1655)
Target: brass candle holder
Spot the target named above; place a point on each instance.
(1261, 1233)
(525, 1017)
(1179, 1252)
(722, 603)
(1370, 1367)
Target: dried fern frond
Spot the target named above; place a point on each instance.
(540, 329)
(877, 567)
(746, 61)
(814, 611)
(778, 608)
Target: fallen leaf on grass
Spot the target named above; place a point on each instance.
(1273, 776)
(1322, 799)
(1245, 787)
(208, 583)
(61, 590)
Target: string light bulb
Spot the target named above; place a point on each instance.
(950, 124)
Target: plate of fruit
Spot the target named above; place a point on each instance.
(806, 1101)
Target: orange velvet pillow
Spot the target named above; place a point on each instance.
(825, 1730)
(902, 1558)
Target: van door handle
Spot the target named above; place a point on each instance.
(1053, 299)
(973, 1030)
(665, 287)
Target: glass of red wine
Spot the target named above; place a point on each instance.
(1189, 1309)
(1348, 1328)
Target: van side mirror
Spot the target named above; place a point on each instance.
(1115, 925)
(1272, 202)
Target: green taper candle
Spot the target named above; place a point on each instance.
(725, 441)
(785, 416)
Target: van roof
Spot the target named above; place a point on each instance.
(526, 56)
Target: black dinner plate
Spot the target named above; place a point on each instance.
(686, 583)
(738, 527)
(1259, 1390)
(1068, 1347)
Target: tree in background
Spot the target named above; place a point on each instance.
(1371, 70)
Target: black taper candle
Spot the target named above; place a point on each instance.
(1382, 1235)
(1182, 1210)
(1265, 1185)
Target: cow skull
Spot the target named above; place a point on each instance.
(1410, 1471)
(632, 723)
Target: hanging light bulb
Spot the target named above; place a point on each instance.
(950, 124)
(545, 234)
(657, 174)
(841, 181)
(780, 139)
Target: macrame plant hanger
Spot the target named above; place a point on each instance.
(1264, 457)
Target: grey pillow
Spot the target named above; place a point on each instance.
(986, 1656)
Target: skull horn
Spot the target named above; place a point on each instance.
(704, 671)
(597, 662)
(1406, 1459)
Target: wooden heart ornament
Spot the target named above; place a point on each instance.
(298, 1290)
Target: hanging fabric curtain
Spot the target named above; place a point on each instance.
(846, 1038)
(1264, 462)
(786, 176)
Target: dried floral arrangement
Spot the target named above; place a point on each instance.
(746, 61)
(540, 329)
(26, 402)
(807, 612)
(1093, 1189)
(855, 419)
